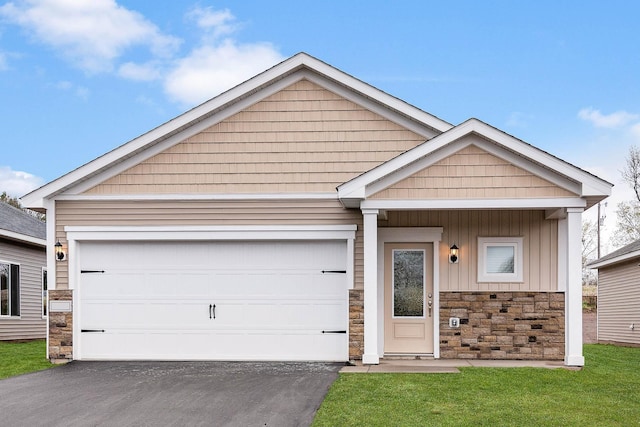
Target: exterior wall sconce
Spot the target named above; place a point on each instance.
(453, 254)
(60, 255)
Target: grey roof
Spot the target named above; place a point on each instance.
(628, 249)
(17, 221)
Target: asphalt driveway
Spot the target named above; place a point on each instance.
(167, 394)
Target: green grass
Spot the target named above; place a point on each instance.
(605, 393)
(22, 357)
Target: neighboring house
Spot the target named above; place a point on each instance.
(619, 295)
(23, 275)
(306, 215)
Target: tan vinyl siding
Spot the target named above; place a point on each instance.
(472, 173)
(464, 227)
(619, 302)
(179, 213)
(301, 139)
(30, 324)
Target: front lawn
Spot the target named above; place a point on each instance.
(22, 357)
(605, 392)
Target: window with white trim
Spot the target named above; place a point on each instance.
(45, 298)
(500, 259)
(9, 289)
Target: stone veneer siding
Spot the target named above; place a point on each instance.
(356, 324)
(60, 329)
(502, 325)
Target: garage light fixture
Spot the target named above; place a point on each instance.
(453, 254)
(60, 255)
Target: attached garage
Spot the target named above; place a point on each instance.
(213, 299)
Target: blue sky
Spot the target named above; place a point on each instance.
(79, 78)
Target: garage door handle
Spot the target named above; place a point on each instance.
(334, 332)
(212, 311)
(91, 330)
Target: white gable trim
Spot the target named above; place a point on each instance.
(482, 143)
(615, 260)
(200, 196)
(555, 170)
(228, 103)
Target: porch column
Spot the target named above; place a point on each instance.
(573, 292)
(370, 233)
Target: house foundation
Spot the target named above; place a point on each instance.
(60, 325)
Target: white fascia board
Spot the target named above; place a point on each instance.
(168, 233)
(616, 260)
(180, 197)
(203, 111)
(519, 148)
(468, 204)
(12, 235)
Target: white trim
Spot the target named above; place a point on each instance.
(410, 235)
(615, 260)
(518, 262)
(222, 106)
(426, 204)
(573, 293)
(232, 232)
(372, 352)
(196, 197)
(590, 184)
(22, 237)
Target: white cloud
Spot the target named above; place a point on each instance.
(92, 34)
(518, 119)
(635, 131)
(612, 121)
(79, 91)
(139, 72)
(17, 183)
(211, 69)
(215, 23)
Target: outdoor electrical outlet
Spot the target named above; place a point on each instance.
(454, 322)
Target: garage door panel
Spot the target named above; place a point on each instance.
(272, 301)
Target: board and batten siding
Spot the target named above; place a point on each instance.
(540, 245)
(302, 139)
(619, 302)
(472, 173)
(32, 259)
(190, 213)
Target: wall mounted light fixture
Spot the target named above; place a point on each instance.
(60, 255)
(453, 254)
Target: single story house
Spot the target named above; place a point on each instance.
(306, 215)
(619, 295)
(23, 275)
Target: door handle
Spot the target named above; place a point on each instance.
(430, 304)
(214, 311)
(210, 311)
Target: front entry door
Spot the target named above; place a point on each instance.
(408, 298)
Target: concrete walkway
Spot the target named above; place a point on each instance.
(446, 366)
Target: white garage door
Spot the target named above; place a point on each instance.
(285, 300)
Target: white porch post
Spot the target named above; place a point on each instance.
(370, 232)
(573, 291)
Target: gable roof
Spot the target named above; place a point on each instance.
(297, 67)
(522, 154)
(625, 253)
(16, 224)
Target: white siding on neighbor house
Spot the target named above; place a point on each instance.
(540, 244)
(30, 324)
(619, 302)
(205, 212)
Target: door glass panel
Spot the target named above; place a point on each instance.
(408, 283)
